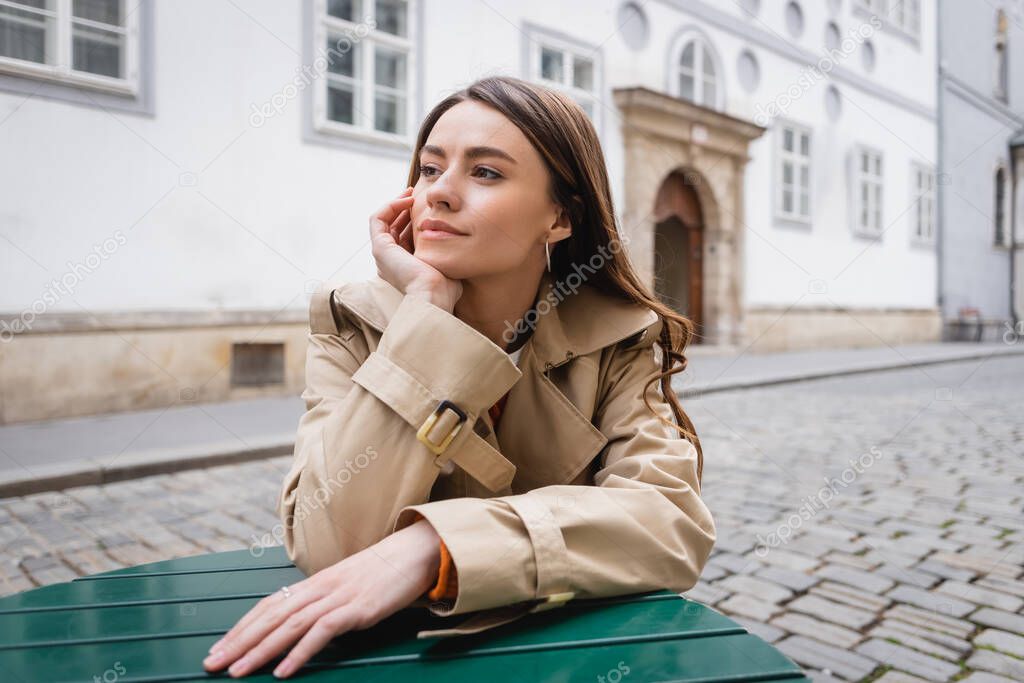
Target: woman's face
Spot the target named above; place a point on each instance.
(480, 174)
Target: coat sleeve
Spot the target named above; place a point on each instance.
(641, 526)
(357, 459)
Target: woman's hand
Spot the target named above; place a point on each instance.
(353, 594)
(393, 249)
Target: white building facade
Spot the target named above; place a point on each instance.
(981, 153)
(179, 177)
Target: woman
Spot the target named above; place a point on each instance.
(490, 424)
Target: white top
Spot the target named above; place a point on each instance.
(515, 355)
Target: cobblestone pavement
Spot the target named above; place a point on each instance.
(871, 527)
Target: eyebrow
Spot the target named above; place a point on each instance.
(471, 153)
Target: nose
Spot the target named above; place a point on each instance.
(442, 190)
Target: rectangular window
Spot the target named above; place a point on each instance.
(257, 364)
(904, 15)
(793, 180)
(880, 6)
(571, 68)
(368, 88)
(1002, 235)
(923, 212)
(92, 43)
(867, 181)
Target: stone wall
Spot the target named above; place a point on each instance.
(56, 374)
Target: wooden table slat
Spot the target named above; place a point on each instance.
(736, 657)
(150, 590)
(68, 627)
(232, 560)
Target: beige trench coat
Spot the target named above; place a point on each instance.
(581, 493)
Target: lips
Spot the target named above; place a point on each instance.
(432, 224)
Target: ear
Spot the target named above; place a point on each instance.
(559, 232)
(562, 227)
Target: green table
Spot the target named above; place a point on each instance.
(155, 622)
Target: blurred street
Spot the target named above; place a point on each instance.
(875, 522)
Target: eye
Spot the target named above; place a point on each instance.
(487, 170)
(427, 171)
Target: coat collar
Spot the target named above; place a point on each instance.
(568, 323)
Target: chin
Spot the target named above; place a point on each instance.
(448, 264)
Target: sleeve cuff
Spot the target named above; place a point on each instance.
(444, 357)
(490, 551)
(447, 585)
(427, 357)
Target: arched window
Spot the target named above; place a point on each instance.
(697, 78)
(1000, 212)
(1002, 83)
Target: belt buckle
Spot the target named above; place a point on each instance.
(428, 424)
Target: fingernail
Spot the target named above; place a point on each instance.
(239, 666)
(214, 646)
(283, 669)
(215, 658)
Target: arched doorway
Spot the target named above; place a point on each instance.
(683, 174)
(679, 249)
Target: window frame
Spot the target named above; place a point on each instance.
(857, 177)
(1001, 167)
(61, 72)
(673, 55)
(910, 13)
(910, 23)
(323, 25)
(702, 48)
(917, 170)
(537, 38)
(1001, 72)
(782, 156)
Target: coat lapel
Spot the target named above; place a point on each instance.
(580, 322)
(545, 428)
(548, 437)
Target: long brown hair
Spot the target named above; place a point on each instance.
(565, 138)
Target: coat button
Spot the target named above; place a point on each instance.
(568, 355)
